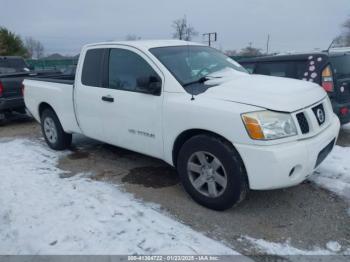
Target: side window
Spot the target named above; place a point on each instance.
(130, 72)
(92, 68)
(249, 67)
(281, 69)
(301, 68)
(290, 69)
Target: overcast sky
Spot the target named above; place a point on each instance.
(65, 25)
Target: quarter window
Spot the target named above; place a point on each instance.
(93, 68)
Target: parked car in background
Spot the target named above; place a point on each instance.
(13, 70)
(190, 105)
(331, 70)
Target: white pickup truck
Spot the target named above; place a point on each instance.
(225, 131)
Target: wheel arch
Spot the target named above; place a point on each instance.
(188, 134)
(43, 106)
(185, 136)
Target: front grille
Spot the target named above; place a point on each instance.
(304, 125)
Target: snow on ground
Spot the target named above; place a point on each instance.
(334, 173)
(41, 213)
(285, 249)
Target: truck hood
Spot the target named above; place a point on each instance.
(274, 93)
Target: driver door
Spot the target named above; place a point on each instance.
(133, 118)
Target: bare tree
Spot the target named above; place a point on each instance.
(231, 52)
(30, 45)
(344, 38)
(39, 50)
(34, 47)
(339, 41)
(132, 37)
(250, 51)
(346, 34)
(183, 31)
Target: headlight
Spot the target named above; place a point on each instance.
(268, 125)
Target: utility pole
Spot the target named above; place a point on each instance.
(268, 44)
(212, 37)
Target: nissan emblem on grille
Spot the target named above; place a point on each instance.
(320, 114)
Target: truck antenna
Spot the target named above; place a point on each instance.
(330, 46)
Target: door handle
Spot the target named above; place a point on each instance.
(108, 99)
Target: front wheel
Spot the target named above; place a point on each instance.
(212, 172)
(53, 132)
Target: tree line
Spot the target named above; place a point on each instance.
(344, 38)
(12, 44)
(182, 30)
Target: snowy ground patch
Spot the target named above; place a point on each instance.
(285, 249)
(334, 172)
(43, 214)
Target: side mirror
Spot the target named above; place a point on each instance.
(151, 85)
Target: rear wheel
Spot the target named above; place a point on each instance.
(53, 132)
(212, 172)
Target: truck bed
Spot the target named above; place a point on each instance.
(55, 78)
(56, 91)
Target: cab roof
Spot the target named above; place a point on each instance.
(295, 56)
(147, 44)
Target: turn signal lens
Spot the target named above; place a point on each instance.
(327, 72)
(253, 128)
(327, 79)
(269, 125)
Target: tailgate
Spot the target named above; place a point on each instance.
(342, 86)
(341, 68)
(12, 87)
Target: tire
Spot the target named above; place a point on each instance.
(221, 195)
(53, 132)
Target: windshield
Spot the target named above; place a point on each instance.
(341, 65)
(191, 64)
(12, 65)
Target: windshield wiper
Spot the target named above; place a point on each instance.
(200, 80)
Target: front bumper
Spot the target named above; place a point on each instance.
(287, 164)
(8, 104)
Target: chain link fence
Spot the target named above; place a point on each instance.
(43, 64)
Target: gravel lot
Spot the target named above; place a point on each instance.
(305, 215)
